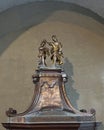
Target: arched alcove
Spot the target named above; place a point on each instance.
(82, 36)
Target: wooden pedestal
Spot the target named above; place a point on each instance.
(56, 113)
(52, 126)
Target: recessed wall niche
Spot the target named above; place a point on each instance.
(82, 39)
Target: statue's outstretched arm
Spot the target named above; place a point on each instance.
(49, 43)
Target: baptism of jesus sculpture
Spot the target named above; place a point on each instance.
(55, 52)
(50, 102)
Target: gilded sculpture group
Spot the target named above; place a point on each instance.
(54, 51)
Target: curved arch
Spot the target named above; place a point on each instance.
(16, 20)
(96, 6)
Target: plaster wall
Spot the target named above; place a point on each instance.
(94, 5)
(22, 30)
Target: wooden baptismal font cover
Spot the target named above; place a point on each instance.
(50, 108)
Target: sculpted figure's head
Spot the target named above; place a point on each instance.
(43, 43)
(54, 38)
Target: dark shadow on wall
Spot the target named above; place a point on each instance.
(8, 39)
(15, 21)
(72, 93)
